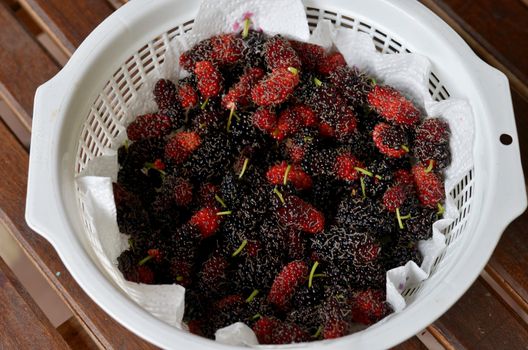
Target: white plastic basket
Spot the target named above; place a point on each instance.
(77, 112)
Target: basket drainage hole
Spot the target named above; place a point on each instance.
(506, 139)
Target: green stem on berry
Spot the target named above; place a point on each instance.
(223, 213)
(405, 148)
(240, 248)
(441, 209)
(247, 24)
(149, 166)
(244, 167)
(221, 201)
(374, 82)
(252, 296)
(179, 278)
(398, 216)
(277, 192)
(363, 187)
(230, 119)
(131, 243)
(317, 82)
(378, 177)
(318, 275)
(430, 166)
(204, 104)
(286, 173)
(312, 271)
(256, 316)
(364, 171)
(145, 260)
(340, 297)
(308, 139)
(318, 333)
(406, 217)
(126, 145)
(293, 70)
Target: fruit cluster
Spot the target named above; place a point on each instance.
(277, 185)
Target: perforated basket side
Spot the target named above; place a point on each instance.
(101, 128)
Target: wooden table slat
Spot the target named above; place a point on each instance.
(479, 320)
(19, 311)
(499, 26)
(477, 41)
(25, 66)
(412, 344)
(445, 340)
(68, 22)
(117, 3)
(76, 336)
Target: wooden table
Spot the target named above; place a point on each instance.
(493, 314)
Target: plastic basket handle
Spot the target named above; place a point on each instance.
(508, 183)
(43, 212)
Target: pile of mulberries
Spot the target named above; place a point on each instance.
(277, 185)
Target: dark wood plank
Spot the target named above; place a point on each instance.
(117, 3)
(15, 124)
(20, 311)
(13, 172)
(412, 344)
(443, 339)
(500, 26)
(11, 3)
(25, 18)
(68, 22)
(509, 262)
(479, 320)
(520, 106)
(25, 66)
(479, 43)
(76, 336)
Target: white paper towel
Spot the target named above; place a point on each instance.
(407, 72)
